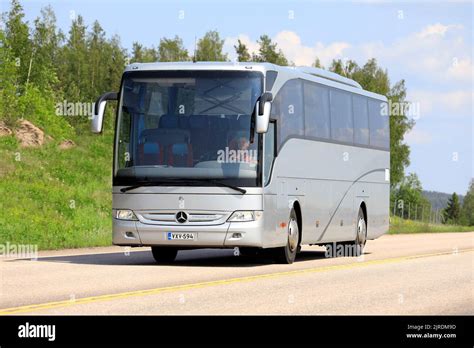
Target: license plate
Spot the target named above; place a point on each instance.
(181, 236)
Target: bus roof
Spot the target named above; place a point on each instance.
(284, 73)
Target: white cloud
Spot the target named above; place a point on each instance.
(436, 53)
(436, 29)
(450, 104)
(230, 42)
(300, 54)
(290, 43)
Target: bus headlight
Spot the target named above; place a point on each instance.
(244, 215)
(125, 214)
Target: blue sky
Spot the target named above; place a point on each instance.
(429, 44)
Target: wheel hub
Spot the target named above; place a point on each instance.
(361, 232)
(293, 234)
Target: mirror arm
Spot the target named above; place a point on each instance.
(267, 96)
(104, 97)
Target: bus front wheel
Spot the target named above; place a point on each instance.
(287, 254)
(164, 254)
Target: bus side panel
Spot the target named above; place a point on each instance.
(336, 179)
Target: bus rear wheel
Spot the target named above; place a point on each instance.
(287, 254)
(164, 254)
(361, 234)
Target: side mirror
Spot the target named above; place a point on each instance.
(263, 112)
(99, 110)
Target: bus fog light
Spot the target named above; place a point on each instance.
(125, 214)
(243, 216)
(236, 235)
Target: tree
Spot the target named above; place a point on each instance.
(209, 48)
(172, 50)
(467, 212)
(9, 83)
(268, 52)
(18, 41)
(317, 63)
(45, 49)
(408, 194)
(453, 209)
(242, 51)
(142, 54)
(96, 48)
(74, 67)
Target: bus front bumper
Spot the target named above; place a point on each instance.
(226, 235)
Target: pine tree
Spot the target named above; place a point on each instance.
(317, 63)
(452, 211)
(242, 51)
(268, 52)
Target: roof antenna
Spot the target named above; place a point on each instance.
(195, 49)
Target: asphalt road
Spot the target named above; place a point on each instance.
(398, 274)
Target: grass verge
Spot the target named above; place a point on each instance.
(56, 198)
(399, 226)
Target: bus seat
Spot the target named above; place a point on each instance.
(180, 155)
(150, 153)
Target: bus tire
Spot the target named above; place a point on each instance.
(287, 254)
(361, 234)
(164, 254)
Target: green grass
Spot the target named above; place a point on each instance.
(398, 226)
(56, 198)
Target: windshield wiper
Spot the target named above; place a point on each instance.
(142, 184)
(183, 181)
(223, 184)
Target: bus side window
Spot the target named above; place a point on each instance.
(379, 126)
(341, 116)
(287, 109)
(316, 110)
(361, 120)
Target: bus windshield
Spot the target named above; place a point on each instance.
(187, 124)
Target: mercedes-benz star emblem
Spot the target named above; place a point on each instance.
(181, 217)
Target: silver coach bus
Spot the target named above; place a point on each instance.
(248, 155)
